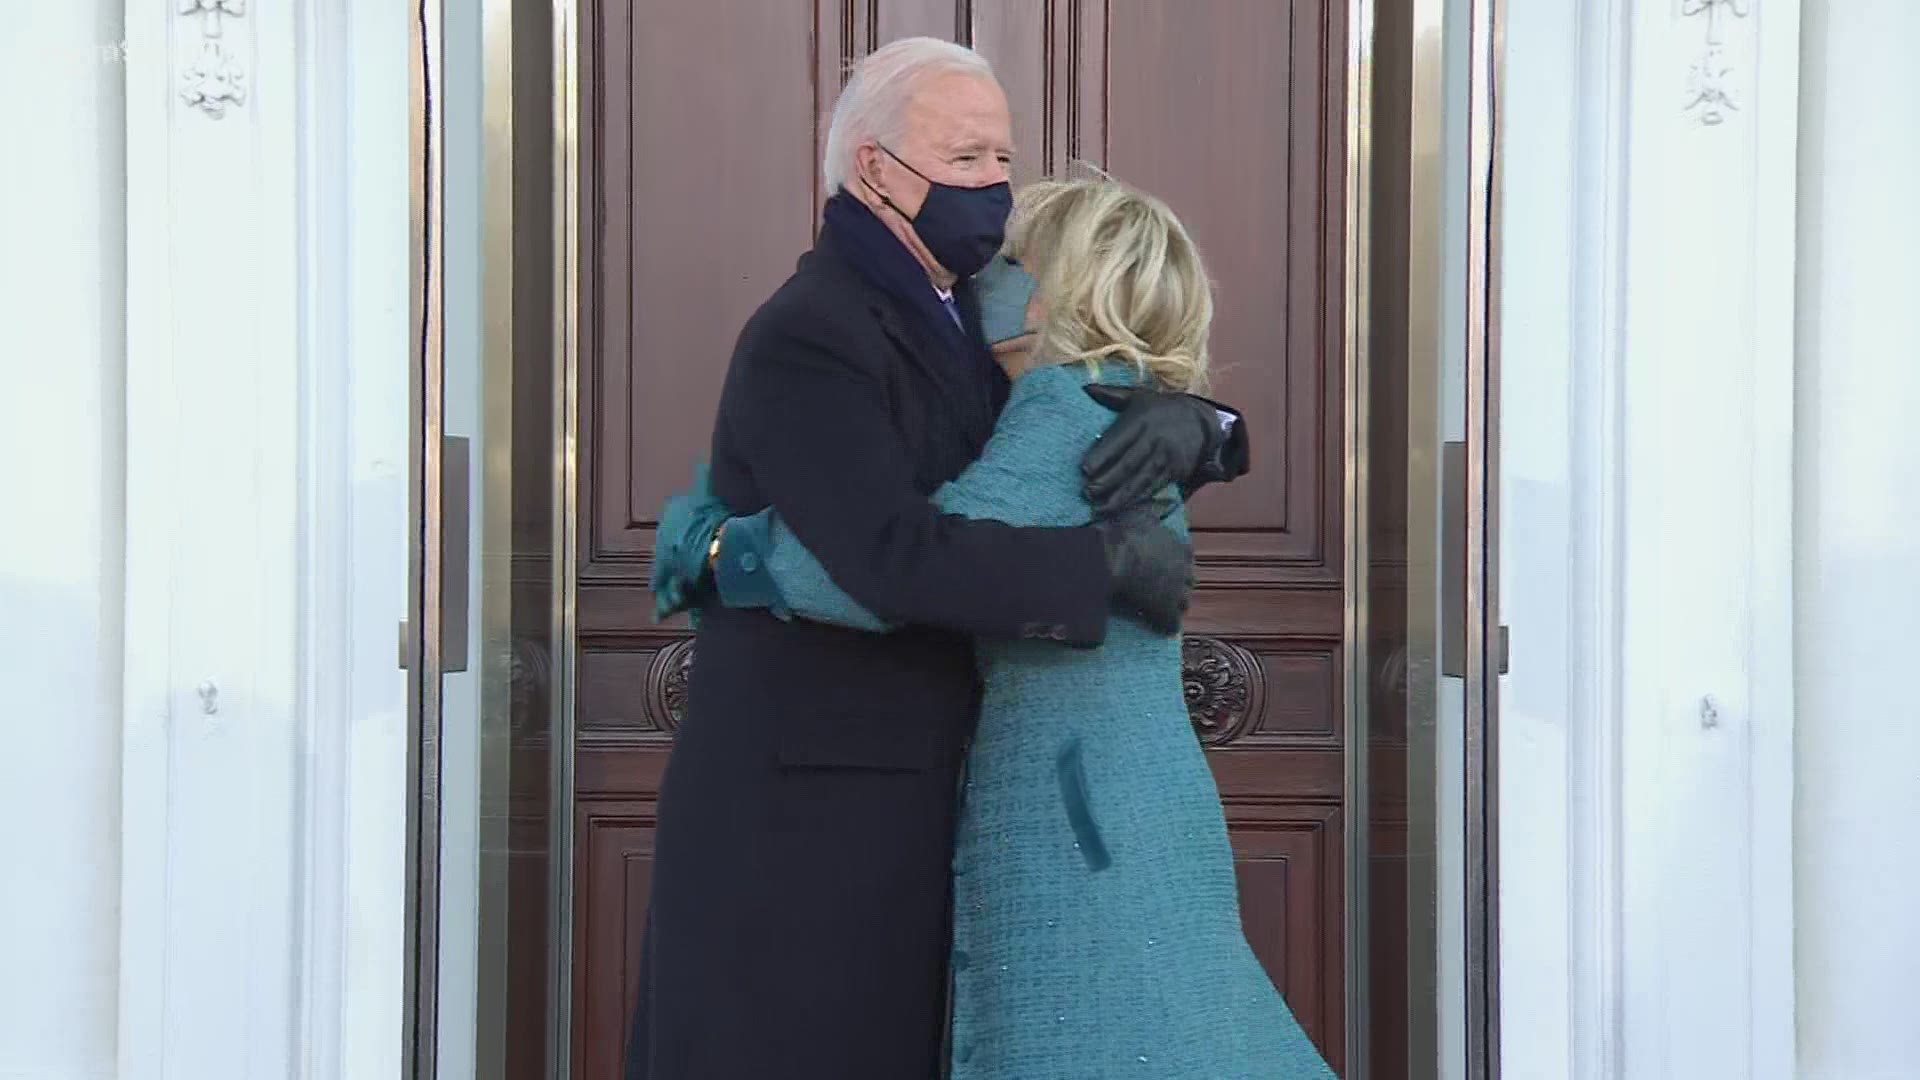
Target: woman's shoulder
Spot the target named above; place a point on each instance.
(1064, 385)
(1052, 401)
(1046, 413)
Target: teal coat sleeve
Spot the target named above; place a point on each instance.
(763, 565)
(1027, 475)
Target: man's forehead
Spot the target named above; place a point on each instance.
(956, 111)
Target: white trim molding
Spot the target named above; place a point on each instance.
(1564, 119)
(354, 262)
(214, 76)
(1597, 463)
(1710, 95)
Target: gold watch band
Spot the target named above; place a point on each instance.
(713, 547)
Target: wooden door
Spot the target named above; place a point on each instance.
(704, 121)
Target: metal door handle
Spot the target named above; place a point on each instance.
(456, 515)
(1453, 571)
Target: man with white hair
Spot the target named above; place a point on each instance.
(799, 919)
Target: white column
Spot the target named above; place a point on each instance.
(266, 407)
(1648, 307)
(1706, 542)
(62, 333)
(210, 821)
(264, 812)
(1857, 575)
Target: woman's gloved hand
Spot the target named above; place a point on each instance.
(688, 523)
(1159, 439)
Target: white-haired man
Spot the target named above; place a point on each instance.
(799, 920)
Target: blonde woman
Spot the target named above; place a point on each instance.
(1096, 922)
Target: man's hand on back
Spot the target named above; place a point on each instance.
(1150, 568)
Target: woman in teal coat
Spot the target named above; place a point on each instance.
(1096, 920)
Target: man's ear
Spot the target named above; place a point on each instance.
(866, 168)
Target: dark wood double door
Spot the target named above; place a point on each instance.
(702, 129)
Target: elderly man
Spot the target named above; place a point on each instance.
(799, 924)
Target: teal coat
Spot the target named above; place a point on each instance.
(1096, 920)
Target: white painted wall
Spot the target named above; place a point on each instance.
(1857, 572)
(62, 333)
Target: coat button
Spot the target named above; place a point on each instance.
(749, 562)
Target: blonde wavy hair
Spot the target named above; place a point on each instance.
(1119, 277)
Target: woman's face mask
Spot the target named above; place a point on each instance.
(1005, 291)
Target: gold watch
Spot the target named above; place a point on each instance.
(713, 547)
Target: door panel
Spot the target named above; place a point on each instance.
(695, 216)
(614, 870)
(1233, 112)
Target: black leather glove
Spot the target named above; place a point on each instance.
(1160, 438)
(1149, 568)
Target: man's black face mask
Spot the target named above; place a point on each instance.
(962, 227)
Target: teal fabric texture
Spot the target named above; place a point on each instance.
(742, 574)
(687, 524)
(1005, 290)
(1097, 926)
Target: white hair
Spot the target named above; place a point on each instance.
(873, 106)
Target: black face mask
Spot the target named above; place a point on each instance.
(962, 227)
